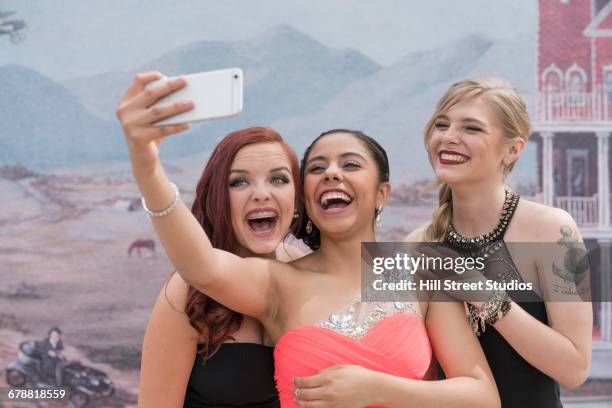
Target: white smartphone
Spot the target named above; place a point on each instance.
(216, 94)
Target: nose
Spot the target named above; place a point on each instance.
(451, 136)
(261, 193)
(333, 173)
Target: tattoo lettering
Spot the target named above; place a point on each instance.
(565, 289)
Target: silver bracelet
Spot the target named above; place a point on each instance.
(166, 210)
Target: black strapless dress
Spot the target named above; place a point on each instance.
(238, 375)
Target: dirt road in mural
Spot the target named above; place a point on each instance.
(64, 243)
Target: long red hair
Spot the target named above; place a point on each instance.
(214, 322)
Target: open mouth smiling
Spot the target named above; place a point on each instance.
(451, 157)
(262, 221)
(334, 200)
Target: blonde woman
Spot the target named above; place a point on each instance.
(474, 138)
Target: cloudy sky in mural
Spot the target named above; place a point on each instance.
(68, 38)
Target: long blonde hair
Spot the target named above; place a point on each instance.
(510, 110)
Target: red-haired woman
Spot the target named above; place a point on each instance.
(246, 201)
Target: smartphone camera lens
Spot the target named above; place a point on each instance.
(235, 76)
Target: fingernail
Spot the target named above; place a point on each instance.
(296, 381)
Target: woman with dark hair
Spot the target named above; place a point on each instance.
(383, 351)
(246, 201)
(533, 339)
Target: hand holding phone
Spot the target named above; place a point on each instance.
(216, 94)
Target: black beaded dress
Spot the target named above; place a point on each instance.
(520, 384)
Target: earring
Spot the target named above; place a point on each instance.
(378, 218)
(309, 227)
(296, 214)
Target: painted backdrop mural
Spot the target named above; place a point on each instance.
(80, 264)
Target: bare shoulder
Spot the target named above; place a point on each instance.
(418, 235)
(175, 292)
(541, 223)
(287, 252)
(168, 322)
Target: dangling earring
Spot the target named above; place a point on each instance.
(309, 227)
(378, 218)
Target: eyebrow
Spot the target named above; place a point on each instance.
(241, 171)
(343, 155)
(468, 119)
(475, 121)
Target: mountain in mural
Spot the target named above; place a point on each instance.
(286, 73)
(43, 124)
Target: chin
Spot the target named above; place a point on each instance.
(450, 177)
(264, 248)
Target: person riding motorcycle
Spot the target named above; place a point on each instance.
(51, 353)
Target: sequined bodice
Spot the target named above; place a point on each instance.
(357, 318)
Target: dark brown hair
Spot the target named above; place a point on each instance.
(313, 238)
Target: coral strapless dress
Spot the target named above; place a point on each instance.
(389, 337)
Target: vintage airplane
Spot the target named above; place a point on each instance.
(13, 27)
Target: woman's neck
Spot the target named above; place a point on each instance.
(342, 255)
(476, 211)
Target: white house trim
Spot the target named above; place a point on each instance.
(576, 98)
(592, 29)
(576, 68)
(553, 68)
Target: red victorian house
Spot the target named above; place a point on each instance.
(572, 126)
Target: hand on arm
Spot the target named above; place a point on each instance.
(339, 386)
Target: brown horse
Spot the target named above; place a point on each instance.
(140, 244)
